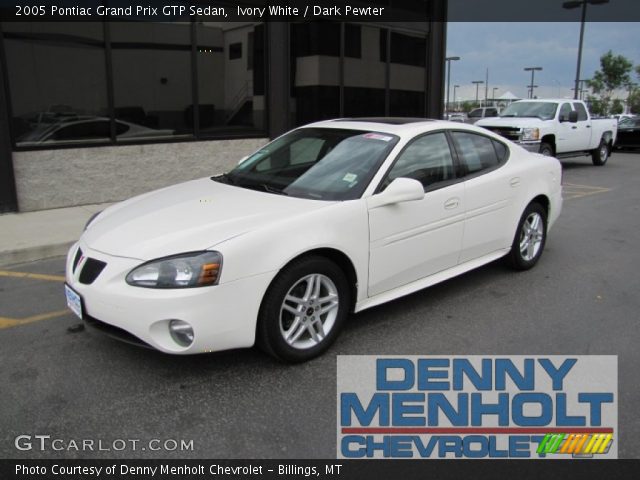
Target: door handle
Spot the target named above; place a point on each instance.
(452, 203)
(515, 181)
(588, 126)
(574, 127)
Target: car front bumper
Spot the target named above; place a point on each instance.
(222, 316)
(533, 146)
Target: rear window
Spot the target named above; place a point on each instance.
(477, 152)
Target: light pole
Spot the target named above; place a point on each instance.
(477, 84)
(533, 72)
(569, 6)
(455, 87)
(449, 60)
(494, 95)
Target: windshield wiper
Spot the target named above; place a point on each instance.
(264, 187)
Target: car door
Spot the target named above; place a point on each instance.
(415, 239)
(565, 140)
(489, 189)
(582, 134)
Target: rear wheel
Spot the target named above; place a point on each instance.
(303, 309)
(530, 238)
(600, 155)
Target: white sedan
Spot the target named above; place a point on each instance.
(328, 219)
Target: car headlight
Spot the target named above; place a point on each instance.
(91, 219)
(531, 134)
(195, 269)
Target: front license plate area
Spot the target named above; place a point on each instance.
(74, 300)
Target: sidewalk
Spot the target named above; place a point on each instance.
(25, 237)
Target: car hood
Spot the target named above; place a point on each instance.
(190, 216)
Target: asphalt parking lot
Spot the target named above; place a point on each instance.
(582, 298)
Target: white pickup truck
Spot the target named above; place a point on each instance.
(557, 127)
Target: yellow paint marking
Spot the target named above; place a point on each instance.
(34, 276)
(573, 190)
(14, 322)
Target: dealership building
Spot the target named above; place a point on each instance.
(94, 112)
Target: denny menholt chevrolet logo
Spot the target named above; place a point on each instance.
(550, 407)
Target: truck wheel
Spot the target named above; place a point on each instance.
(600, 155)
(546, 149)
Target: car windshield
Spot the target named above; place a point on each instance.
(541, 110)
(317, 163)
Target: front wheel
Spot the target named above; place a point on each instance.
(530, 238)
(303, 309)
(546, 149)
(601, 154)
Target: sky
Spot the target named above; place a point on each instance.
(506, 48)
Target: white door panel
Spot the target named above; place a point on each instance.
(488, 200)
(412, 240)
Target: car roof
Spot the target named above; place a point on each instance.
(394, 125)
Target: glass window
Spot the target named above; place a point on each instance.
(477, 113)
(352, 41)
(57, 76)
(231, 88)
(315, 71)
(501, 150)
(427, 159)
(476, 152)
(318, 163)
(407, 74)
(152, 78)
(565, 110)
(491, 112)
(582, 112)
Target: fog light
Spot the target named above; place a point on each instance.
(181, 332)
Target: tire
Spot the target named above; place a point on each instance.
(600, 155)
(291, 324)
(530, 238)
(546, 149)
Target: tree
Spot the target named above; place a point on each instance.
(634, 101)
(468, 106)
(617, 107)
(614, 73)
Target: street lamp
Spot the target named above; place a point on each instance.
(569, 6)
(533, 71)
(455, 87)
(477, 84)
(449, 60)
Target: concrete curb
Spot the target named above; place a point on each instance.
(31, 254)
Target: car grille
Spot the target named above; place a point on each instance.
(114, 332)
(511, 133)
(90, 271)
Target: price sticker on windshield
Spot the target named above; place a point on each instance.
(377, 136)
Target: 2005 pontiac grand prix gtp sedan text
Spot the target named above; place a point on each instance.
(331, 218)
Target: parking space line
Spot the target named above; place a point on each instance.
(14, 322)
(34, 276)
(573, 190)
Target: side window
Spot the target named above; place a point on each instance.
(501, 150)
(427, 159)
(476, 152)
(582, 112)
(477, 113)
(565, 110)
(491, 112)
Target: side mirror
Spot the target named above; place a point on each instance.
(573, 116)
(243, 159)
(400, 190)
